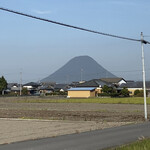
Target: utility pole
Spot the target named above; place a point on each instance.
(81, 74)
(20, 83)
(144, 86)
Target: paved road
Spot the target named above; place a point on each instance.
(94, 140)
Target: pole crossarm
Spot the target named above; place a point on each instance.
(144, 41)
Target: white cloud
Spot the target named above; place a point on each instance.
(41, 12)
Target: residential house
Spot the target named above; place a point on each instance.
(46, 89)
(14, 88)
(61, 87)
(96, 83)
(115, 81)
(138, 85)
(32, 87)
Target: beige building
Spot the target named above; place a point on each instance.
(132, 90)
(81, 92)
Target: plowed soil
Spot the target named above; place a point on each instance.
(73, 111)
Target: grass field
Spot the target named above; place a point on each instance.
(139, 145)
(129, 100)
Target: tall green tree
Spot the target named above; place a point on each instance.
(3, 84)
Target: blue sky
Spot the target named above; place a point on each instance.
(37, 48)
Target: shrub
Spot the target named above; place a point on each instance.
(114, 94)
(103, 94)
(139, 93)
(136, 92)
(11, 94)
(124, 92)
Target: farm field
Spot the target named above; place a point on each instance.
(96, 109)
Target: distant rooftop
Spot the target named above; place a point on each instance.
(112, 80)
(137, 84)
(94, 83)
(31, 84)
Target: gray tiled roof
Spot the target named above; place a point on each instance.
(138, 84)
(93, 83)
(46, 88)
(32, 84)
(112, 80)
(10, 85)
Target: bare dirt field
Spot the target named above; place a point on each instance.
(72, 111)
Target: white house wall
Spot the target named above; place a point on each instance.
(121, 82)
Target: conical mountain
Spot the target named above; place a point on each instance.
(78, 69)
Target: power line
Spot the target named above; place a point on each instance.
(75, 27)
